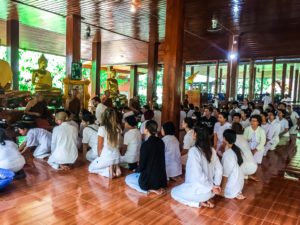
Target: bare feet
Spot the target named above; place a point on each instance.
(158, 192)
(240, 196)
(118, 171)
(254, 178)
(207, 204)
(64, 167)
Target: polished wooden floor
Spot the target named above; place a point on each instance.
(76, 197)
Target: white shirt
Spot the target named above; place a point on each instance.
(40, 138)
(255, 112)
(10, 156)
(284, 124)
(188, 140)
(233, 172)
(90, 137)
(143, 126)
(99, 111)
(256, 138)
(182, 116)
(157, 119)
(288, 99)
(133, 140)
(266, 128)
(201, 174)
(219, 130)
(244, 107)
(190, 113)
(172, 156)
(109, 152)
(294, 118)
(242, 143)
(267, 100)
(64, 144)
(245, 123)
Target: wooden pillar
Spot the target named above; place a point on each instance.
(251, 80)
(262, 81)
(73, 35)
(298, 90)
(220, 82)
(173, 62)
(232, 68)
(284, 67)
(183, 83)
(207, 79)
(12, 39)
(192, 70)
(152, 70)
(296, 86)
(273, 79)
(216, 78)
(134, 80)
(244, 80)
(291, 79)
(96, 63)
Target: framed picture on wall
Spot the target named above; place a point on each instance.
(76, 73)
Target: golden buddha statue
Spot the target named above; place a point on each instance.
(112, 84)
(42, 79)
(5, 75)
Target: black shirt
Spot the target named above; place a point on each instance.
(209, 123)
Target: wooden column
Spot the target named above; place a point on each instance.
(73, 34)
(284, 67)
(134, 80)
(12, 38)
(183, 83)
(273, 79)
(262, 81)
(251, 80)
(207, 79)
(173, 62)
(291, 79)
(232, 68)
(244, 80)
(216, 78)
(192, 70)
(96, 63)
(296, 86)
(152, 70)
(220, 82)
(298, 100)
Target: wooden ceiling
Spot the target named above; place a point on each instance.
(266, 27)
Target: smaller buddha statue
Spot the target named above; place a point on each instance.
(42, 79)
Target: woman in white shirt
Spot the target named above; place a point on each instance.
(295, 118)
(244, 119)
(203, 173)
(256, 138)
(188, 140)
(284, 127)
(10, 157)
(106, 164)
(218, 132)
(132, 143)
(264, 122)
(273, 134)
(233, 176)
(172, 151)
(90, 137)
(249, 166)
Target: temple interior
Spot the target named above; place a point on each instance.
(150, 112)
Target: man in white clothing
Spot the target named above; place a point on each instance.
(64, 144)
(99, 111)
(266, 100)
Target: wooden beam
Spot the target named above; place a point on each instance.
(262, 81)
(251, 80)
(216, 78)
(291, 79)
(134, 80)
(96, 63)
(234, 65)
(173, 60)
(244, 80)
(73, 35)
(284, 68)
(273, 79)
(296, 84)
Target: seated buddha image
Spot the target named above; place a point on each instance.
(5, 75)
(41, 78)
(112, 84)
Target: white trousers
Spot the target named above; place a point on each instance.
(132, 180)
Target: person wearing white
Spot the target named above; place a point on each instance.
(295, 118)
(233, 176)
(182, 116)
(273, 134)
(157, 118)
(264, 123)
(203, 174)
(10, 157)
(219, 128)
(172, 151)
(245, 104)
(99, 111)
(127, 112)
(245, 122)
(284, 124)
(191, 111)
(132, 142)
(35, 137)
(249, 166)
(90, 137)
(286, 98)
(64, 143)
(106, 164)
(266, 100)
(256, 138)
(188, 140)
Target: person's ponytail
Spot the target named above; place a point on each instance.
(238, 153)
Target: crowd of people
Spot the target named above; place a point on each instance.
(217, 149)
